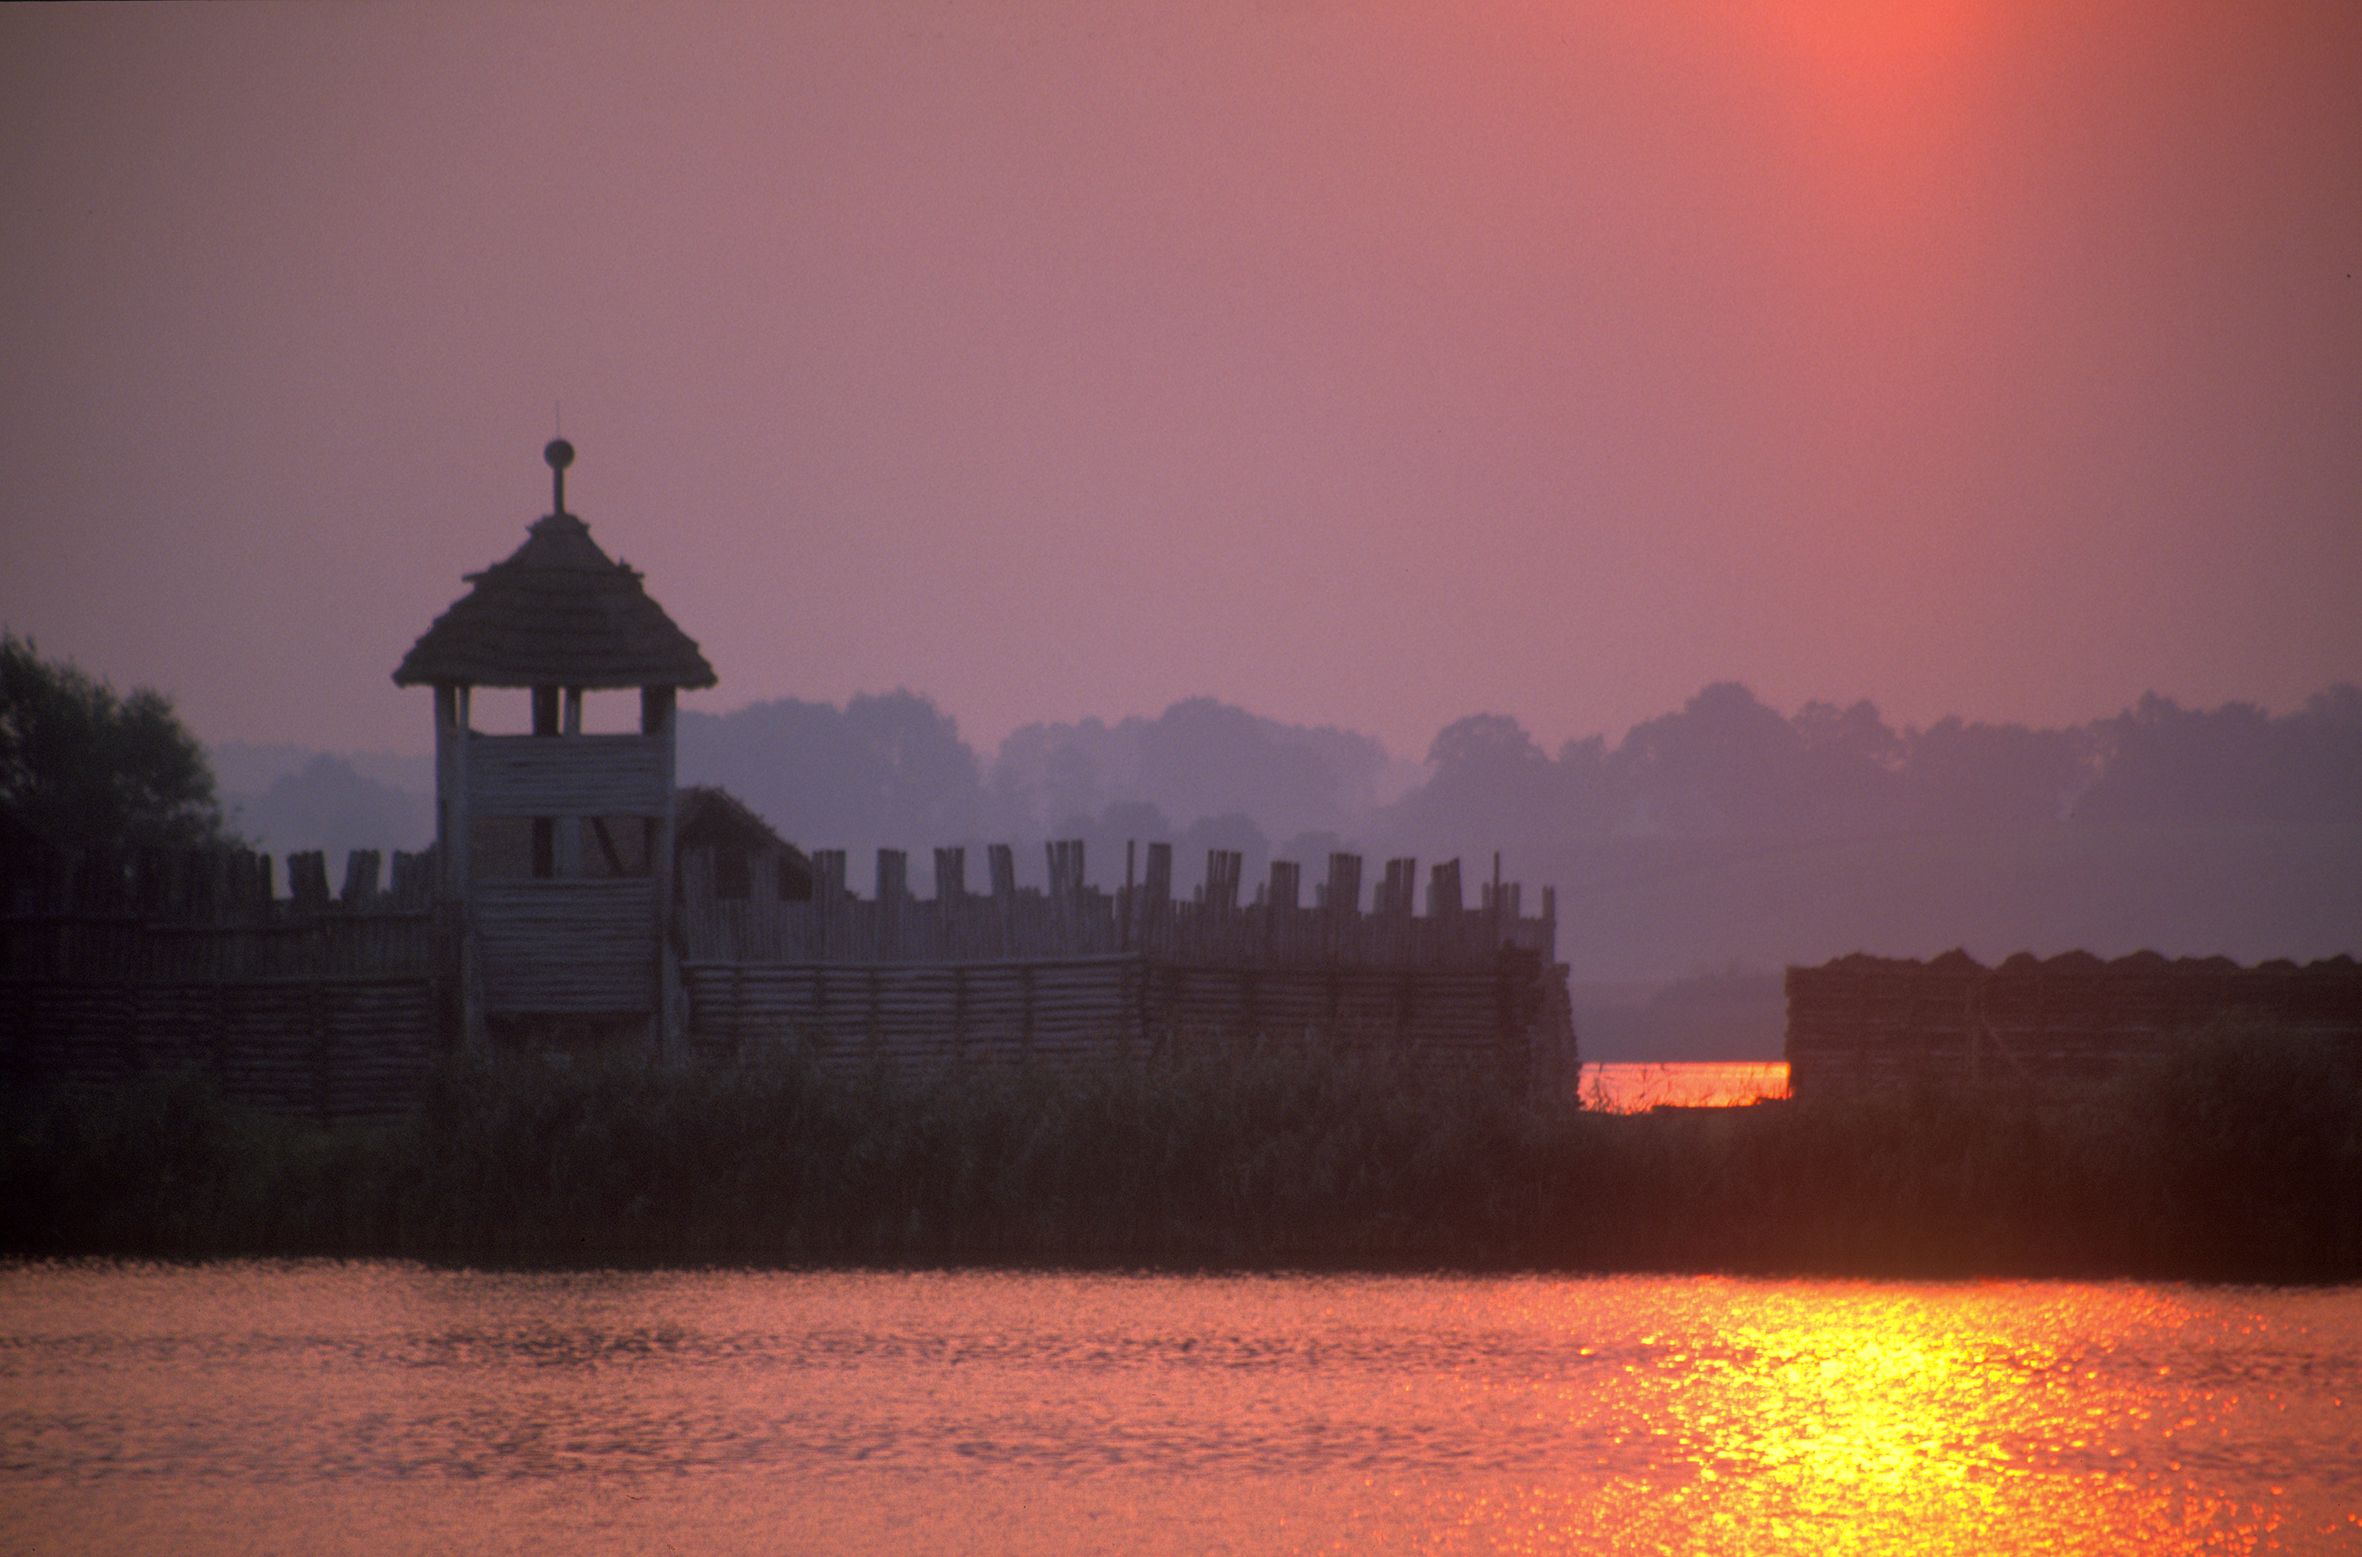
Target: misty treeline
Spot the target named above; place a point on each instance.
(1726, 765)
(1708, 846)
(1724, 837)
(892, 769)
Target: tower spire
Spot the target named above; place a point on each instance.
(559, 454)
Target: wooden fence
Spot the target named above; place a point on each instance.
(1868, 1022)
(1032, 976)
(311, 1004)
(335, 1005)
(1509, 1021)
(1074, 919)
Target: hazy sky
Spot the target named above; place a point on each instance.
(1361, 363)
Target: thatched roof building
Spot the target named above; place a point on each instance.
(566, 914)
(556, 612)
(708, 817)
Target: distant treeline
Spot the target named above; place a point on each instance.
(893, 767)
(2234, 1156)
(1205, 774)
(1725, 831)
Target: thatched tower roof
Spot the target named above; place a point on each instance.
(558, 612)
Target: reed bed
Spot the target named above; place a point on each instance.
(2236, 1155)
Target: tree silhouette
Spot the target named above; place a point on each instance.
(1199, 758)
(1489, 780)
(885, 768)
(1724, 763)
(1979, 775)
(84, 768)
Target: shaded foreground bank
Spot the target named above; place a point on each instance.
(2236, 1156)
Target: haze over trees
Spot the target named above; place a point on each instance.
(886, 769)
(1726, 765)
(1709, 845)
(1200, 758)
(327, 802)
(1725, 834)
(892, 769)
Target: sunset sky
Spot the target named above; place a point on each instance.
(1360, 363)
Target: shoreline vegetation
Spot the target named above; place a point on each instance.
(2236, 1155)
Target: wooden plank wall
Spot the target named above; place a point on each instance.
(1502, 1021)
(311, 1003)
(1048, 1011)
(574, 775)
(329, 1049)
(1871, 1022)
(566, 946)
(1075, 919)
(1043, 976)
(326, 1003)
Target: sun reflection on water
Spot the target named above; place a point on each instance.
(1841, 1418)
(383, 1407)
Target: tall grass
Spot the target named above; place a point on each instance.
(2237, 1155)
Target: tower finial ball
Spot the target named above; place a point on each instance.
(559, 454)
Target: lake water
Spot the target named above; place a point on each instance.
(1634, 1086)
(390, 1407)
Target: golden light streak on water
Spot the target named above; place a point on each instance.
(389, 1407)
(1992, 1418)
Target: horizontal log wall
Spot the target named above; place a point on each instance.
(1866, 1022)
(902, 1014)
(123, 949)
(1027, 976)
(328, 1049)
(570, 775)
(308, 1004)
(1503, 1022)
(566, 946)
(327, 1005)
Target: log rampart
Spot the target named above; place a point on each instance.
(2050, 1024)
(1072, 972)
(313, 1003)
(336, 1004)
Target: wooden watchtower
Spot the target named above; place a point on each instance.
(555, 848)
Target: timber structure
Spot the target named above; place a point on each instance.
(574, 896)
(1070, 973)
(315, 1003)
(539, 926)
(2045, 1024)
(336, 1005)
